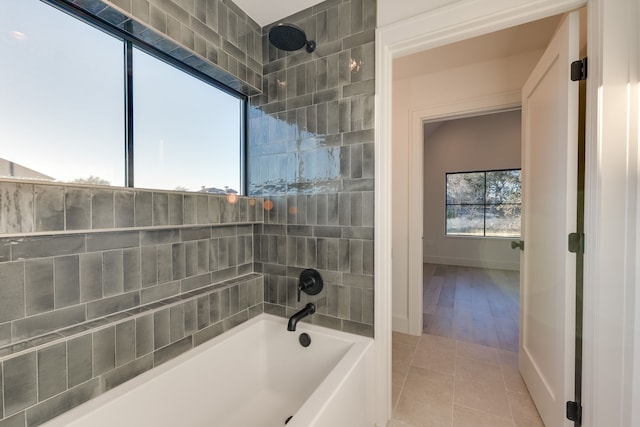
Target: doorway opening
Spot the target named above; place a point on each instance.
(466, 328)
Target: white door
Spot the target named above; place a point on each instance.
(549, 182)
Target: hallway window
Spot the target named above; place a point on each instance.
(485, 204)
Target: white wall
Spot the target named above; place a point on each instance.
(431, 91)
(487, 142)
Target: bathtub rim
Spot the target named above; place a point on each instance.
(337, 374)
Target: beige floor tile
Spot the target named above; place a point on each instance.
(513, 380)
(524, 411)
(467, 417)
(424, 384)
(399, 424)
(428, 341)
(435, 353)
(406, 339)
(480, 386)
(426, 399)
(508, 358)
(423, 413)
(400, 361)
(395, 394)
(478, 352)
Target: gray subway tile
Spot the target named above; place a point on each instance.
(67, 281)
(5, 333)
(38, 247)
(127, 371)
(49, 208)
(111, 305)
(90, 276)
(161, 327)
(178, 260)
(235, 320)
(17, 205)
(176, 209)
(78, 208)
(368, 306)
(215, 313)
(143, 209)
(144, 334)
(199, 233)
(149, 267)
(131, 269)
(5, 250)
(113, 273)
(202, 313)
(165, 264)
(79, 360)
(176, 322)
(63, 402)
(355, 304)
(157, 237)
(368, 257)
(357, 328)
(191, 258)
(125, 342)
(52, 370)
(358, 280)
(12, 292)
(159, 292)
(171, 351)
(102, 209)
(190, 317)
(104, 350)
(203, 256)
(112, 240)
(20, 384)
(17, 420)
(208, 333)
(124, 208)
(160, 209)
(42, 323)
(190, 215)
(195, 282)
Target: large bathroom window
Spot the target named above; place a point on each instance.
(485, 204)
(186, 133)
(69, 113)
(61, 109)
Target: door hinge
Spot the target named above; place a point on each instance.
(574, 412)
(576, 243)
(579, 70)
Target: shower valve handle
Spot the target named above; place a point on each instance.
(310, 282)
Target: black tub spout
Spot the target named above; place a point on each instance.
(307, 310)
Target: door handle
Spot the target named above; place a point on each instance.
(517, 244)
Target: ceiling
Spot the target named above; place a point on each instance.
(268, 12)
(511, 41)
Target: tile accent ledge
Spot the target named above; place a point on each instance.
(34, 208)
(65, 334)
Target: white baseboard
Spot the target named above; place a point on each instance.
(472, 262)
(400, 324)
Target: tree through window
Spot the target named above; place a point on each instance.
(483, 203)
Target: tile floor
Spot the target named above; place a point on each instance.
(447, 382)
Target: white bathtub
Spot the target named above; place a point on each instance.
(255, 375)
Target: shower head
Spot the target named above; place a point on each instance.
(290, 37)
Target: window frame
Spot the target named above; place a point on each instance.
(484, 206)
(129, 42)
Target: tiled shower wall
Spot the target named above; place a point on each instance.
(213, 36)
(99, 284)
(311, 158)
